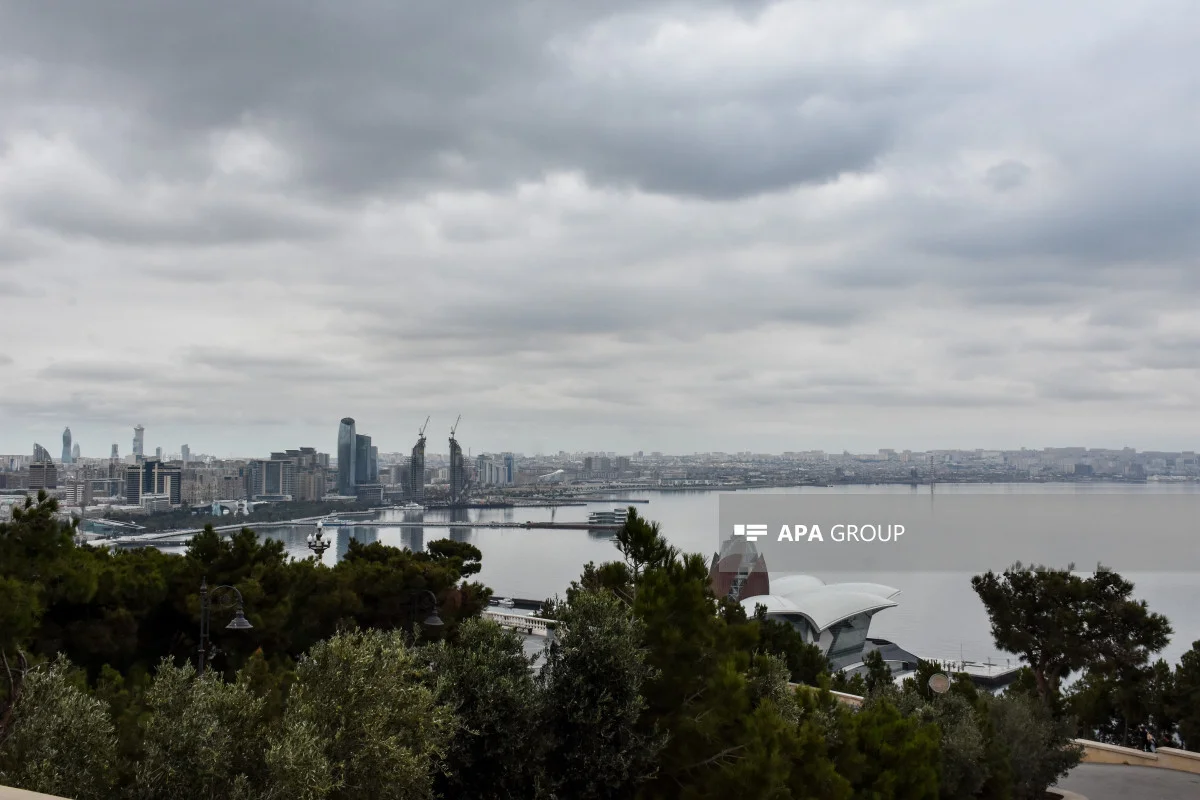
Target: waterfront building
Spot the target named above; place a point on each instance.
(835, 617)
(617, 516)
(371, 493)
(139, 441)
(66, 451)
(510, 470)
(346, 458)
(374, 464)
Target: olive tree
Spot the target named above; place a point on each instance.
(361, 721)
(58, 740)
(202, 736)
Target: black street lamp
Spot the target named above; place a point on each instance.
(317, 541)
(224, 600)
(427, 599)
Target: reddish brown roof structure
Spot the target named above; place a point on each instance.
(728, 565)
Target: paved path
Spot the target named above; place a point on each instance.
(1119, 782)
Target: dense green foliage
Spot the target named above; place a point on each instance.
(499, 747)
(1063, 625)
(127, 609)
(1186, 697)
(591, 689)
(1109, 707)
(1059, 622)
(651, 687)
(201, 735)
(59, 741)
(360, 723)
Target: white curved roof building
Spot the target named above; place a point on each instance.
(836, 617)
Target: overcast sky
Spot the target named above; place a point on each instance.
(616, 225)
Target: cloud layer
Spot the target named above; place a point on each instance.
(656, 225)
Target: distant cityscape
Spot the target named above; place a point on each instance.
(358, 473)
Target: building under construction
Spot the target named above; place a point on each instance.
(458, 469)
(416, 467)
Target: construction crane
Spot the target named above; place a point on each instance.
(421, 432)
(452, 430)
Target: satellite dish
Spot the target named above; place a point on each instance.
(939, 683)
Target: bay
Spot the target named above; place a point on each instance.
(938, 615)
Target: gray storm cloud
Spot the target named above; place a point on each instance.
(675, 225)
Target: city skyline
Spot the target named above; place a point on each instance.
(345, 440)
(664, 226)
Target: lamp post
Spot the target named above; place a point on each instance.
(423, 597)
(222, 595)
(317, 541)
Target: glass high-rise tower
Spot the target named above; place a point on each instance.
(66, 454)
(362, 459)
(347, 456)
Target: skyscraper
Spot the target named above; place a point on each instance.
(116, 452)
(139, 440)
(158, 453)
(362, 459)
(458, 473)
(66, 453)
(75, 453)
(185, 453)
(374, 464)
(416, 470)
(346, 457)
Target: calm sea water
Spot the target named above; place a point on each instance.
(939, 615)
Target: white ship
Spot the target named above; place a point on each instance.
(410, 506)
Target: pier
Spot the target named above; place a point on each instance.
(182, 538)
(554, 526)
(531, 626)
